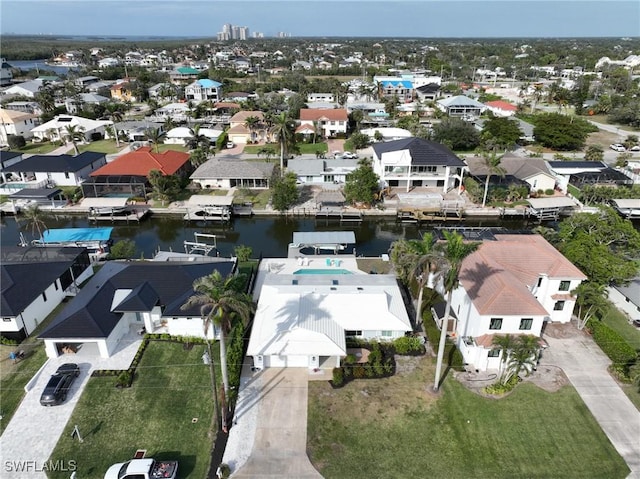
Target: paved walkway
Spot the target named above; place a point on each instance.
(34, 430)
(586, 367)
(280, 438)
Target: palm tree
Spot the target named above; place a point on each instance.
(506, 343)
(221, 300)
(74, 134)
(154, 135)
(169, 124)
(34, 219)
(251, 123)
(425, 261)
(197, 139)
(114, 113)
(492, 164)
(523, 357)
(592, 297)
(283, 129)
(537, 96)
(454, 251)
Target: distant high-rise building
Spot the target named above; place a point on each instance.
(243, 33)
(235, 32)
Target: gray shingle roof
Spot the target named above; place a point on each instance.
(423, 152)
(233, 169)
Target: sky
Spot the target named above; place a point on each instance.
(313, 18)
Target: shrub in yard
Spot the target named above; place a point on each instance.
(408, 345)
(235, 345)
(124, 379)
(16, 141)
(549, 192)
(349, 359)
(338, 377)
(613, 345)
(500, 388)
(359, 372)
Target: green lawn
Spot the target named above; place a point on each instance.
(171, 389)
(617, 321)
(13, 378)
(39, 148)
(255, 149)
(529, 434)
(101, 146)
(312, 148)
(162, 148)
(259, 198)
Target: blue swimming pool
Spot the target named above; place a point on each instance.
(323, 271)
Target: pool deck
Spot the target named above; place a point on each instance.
(341, 263)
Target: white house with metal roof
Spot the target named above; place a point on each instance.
(321, 171)
(233, 173)
(203, 89)
(308, 306)
(627, 298)
(461, 106)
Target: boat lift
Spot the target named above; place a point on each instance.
(200, 247)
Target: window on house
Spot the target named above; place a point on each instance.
(66, 175)
(6, 320)
(494, 353)
(526, 323)
(353, 333)
(44, 296)
(385, 333)
(559, 306)
(564, 285)
(495, 323)
(55, 284)
(539, 281)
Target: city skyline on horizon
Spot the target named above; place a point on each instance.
(354, 18)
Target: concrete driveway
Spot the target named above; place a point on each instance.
(34, 430)
(280, 441)
(586, 367)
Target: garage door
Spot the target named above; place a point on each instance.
(298, 361)
(275, 361)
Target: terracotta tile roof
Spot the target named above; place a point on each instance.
(224, 104)
(498, 275)
(304, 129)
(486, 340)
(242, 116)
(238, 130)
(314, 114)
(142, 161)
(502, 105)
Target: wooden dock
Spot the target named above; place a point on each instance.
(341, 215)
(128, 216)
(446, 211)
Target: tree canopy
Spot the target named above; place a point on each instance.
(285, 192)
(561, 132)
(362, 184)
(456, 134)
(604, 246)
(501, 133)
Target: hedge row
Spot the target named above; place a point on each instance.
(613, 345)
(124, 379)
(379, 365)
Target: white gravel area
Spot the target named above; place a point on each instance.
(243, 431)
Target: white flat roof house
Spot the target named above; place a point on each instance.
(308, 306)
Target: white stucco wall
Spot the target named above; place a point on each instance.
(37, 311)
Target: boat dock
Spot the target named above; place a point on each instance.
(339, 214)
(115, 215)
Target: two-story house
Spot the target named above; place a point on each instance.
(414, 162)
(16, 123)
(204, 89)
(331, 122)
(248, 127)
(513, 284)
(59, 170)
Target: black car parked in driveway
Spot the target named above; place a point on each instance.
(55, 392)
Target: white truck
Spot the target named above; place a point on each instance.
(146, 468)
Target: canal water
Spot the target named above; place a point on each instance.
(268, 236)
